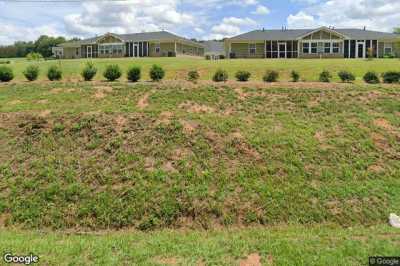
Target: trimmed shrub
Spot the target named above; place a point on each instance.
(271, 76)
(325, 76)
(391, 77)
(6, 74)
(112, 72)
(346, 76)
(89, 71)
(295, 76)
(34, 56)
(134, 74)
(220, 75)
(31, 73)
(157, 73)
(371, 78)
(242, 75)
(54, 73)
(193, 75)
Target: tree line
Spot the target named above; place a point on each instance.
(42, 45)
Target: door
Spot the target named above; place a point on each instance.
(89, 53)
(136, 50)
(360, 49)
(282, 50)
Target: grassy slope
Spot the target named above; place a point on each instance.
(291, 245)
(148, 156)
(178, 67)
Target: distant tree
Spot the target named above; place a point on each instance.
(44, 43)
(396, 30)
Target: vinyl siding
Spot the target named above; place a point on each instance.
(241, 50)
(71, 52)
(164, 49)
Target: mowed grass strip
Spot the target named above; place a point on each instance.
(177, 155)
(177, 68)
(281, 245)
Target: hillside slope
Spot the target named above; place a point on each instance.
(103, 155)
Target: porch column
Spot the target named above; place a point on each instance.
(175, 47)
(265, 49)
(349, 49)
(377, 49)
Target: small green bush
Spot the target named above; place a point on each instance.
(193, 75)
(242, 75)
(157, 73)
(391, 77)
(220, 76)
(271, 76)
(295, 76)
(34, 56)
(31, 73)
(371, 78)
(134, 74)
(6, 74)
(54, 73)
(112, 72)
(325, 76)
(346, 76)
(89, 71)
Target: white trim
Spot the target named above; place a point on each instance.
(320, 29)
(108, 34)
(279, 50)
(87, 51)
(255, 49)
(385, 45)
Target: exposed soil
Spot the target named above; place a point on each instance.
(253, 259)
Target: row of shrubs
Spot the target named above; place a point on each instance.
(111, 73)
(325, 76)
(157, 73)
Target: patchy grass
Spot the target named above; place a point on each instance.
(281, 245)
(177, 68)
(174, 154)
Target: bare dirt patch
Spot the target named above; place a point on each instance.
(380, 141)
(169, 167)
(15, 102)
(189, 126)
(253, 259)
(165, 117)
(101, 91)
(193, 107)
(120, 122)
(44, 113)
(383, 123)
(44, 101)
(144, 101)
(168, 261)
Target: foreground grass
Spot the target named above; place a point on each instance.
(115, 155)
(177, 68)
(281, 245)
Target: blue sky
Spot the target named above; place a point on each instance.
(201, 19)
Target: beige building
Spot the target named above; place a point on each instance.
(322, 42)
(146, 44)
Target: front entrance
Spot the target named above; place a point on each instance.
(360, 51)
(282, 50)
(89, 53)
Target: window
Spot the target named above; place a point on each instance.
(252, 48)
(314, 47)
(110, 49)
(306, 47)
(157, 48)
(387, 50)
(335, 47)
(327, 47)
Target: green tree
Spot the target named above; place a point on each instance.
(396, 30)
(44, 43)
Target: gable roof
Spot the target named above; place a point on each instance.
(293, 34)
(137, 37)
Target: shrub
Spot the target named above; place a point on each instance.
(134, 74)
(89, 71)
(193, 75)
(371, 77)
(157, 73)
(34, 56)
(271, 76)
(242, 75)
(31, 73)
(220, 75)
(295, 76)
(5, 62)
(346, 76)
(6, 74)
(54, 73)
(112, 72)
(391, 77)
(325, 76)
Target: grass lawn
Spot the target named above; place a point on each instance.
(103, 155)
(280, 245)
(177, 68)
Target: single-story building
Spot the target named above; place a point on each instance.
(214, 50)
(323, 42)
(146, 44)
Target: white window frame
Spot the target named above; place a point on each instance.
(329, 47)
(307, 48)
(252, 50)
(157, 48)
(311, 47)
(387, 45)
(335, 50)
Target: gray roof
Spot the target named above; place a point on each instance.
(142, 36)
(214, 47)
(293, 34)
